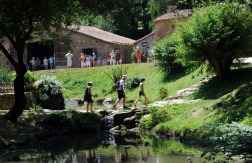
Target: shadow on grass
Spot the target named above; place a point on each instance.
(216, 88)
(173, 77)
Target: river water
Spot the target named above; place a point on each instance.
(103, 149)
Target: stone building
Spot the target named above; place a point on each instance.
(145, 44)
(166, 24)
(85, 39)
(89, 39)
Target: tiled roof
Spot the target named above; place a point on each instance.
(104, 35)
(174, 15)
(145, 37)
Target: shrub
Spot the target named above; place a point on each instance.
(218, 34)
(116, 74)
(146, 122)
(156, 116)
(234, 138)
(163, 93)
(29, 81)
(49, 94)
(133, 83)
(166, 52)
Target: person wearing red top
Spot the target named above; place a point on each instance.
(138, 55)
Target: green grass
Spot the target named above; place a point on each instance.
(219, 102)
(189, 117)
(74, 80)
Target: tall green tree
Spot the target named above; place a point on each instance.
(18, 20)
(218, 34)
(132, 18)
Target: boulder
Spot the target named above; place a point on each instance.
(130, 122)
(120, 116)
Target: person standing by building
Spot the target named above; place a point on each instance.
(88, 97)
(112, 57)
(118, 57)
(120, 88)
(138, 55)
(45, 63)
(88, 60)
(82, 60)
(33, 63)
(50, 61)
(69, 57)
(94, 59)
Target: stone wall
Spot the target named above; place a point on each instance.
(7, 100)
(81, 41)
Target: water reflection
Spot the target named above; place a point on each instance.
(104, 152)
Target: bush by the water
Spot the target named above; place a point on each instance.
(49, 93)
(156, 116)
(233, 138)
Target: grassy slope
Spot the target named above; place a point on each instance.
(193, 116)
(74, 80)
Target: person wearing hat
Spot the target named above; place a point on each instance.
(120, 88)
(88, 97)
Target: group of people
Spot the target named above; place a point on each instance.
(45, 63)
(88, 60)
(114, 57)
(121, 96)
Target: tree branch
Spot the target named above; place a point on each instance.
(7, 55)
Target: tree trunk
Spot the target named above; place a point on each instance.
(222, 68)
(20, 99)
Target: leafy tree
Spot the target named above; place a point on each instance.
(218, 34)
(103, 22)
(166, 52)
(18, 20)
(131, 18)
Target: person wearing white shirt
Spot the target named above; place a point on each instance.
(112, 57)
(69, 57)
(33, 63)
(45, 63)
(93, 59)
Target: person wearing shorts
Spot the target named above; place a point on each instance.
(120, 88)
(141, 93)
(88, 97)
